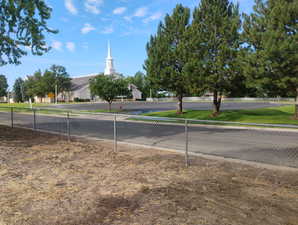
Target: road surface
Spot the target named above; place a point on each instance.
(272, 147)
(143, 107)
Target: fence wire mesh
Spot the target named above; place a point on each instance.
(154, 132)
(278, 146)
(5, 115)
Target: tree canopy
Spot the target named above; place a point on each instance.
(270, 33)
(23, 24)
(214, 41)
(34, 85)
(108, 88)
(42, 83)
(142, 83)
(19, 90)
(165, 64)
(54, 77)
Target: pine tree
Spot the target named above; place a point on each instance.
(19, 90)
(167, 54)
(3, 85)
(214, 41)
(271, 35)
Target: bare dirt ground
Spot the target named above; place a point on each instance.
(46, 180)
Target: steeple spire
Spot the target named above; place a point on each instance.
(109, 51)
(109, 70)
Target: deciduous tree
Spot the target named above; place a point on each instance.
(23, 24)
(34, 85)
(56, 77)
(108, 88)
(142, 83)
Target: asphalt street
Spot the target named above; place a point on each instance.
(272, 147)
(143, 107)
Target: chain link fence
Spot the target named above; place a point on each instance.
(272, 144)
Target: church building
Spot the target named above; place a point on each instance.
(80, 85)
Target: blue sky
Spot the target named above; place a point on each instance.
(85, 26)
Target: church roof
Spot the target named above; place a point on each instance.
(80, 82)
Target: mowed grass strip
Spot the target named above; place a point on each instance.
(25, 108)
(272, 115)
(23, 105)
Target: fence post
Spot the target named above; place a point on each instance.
(115, 133)
(68, 126)
(186, 143)
(11, 116)
(34, 119)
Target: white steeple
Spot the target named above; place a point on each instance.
(109, 70)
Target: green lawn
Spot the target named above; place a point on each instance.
(273, 115)
(23, 105)
(25, 108)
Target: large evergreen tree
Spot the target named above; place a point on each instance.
(271, 62)
(167, 54)
(3, 85)
(23, 24)
(214, 45)
(19, 90)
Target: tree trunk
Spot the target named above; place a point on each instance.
(180, 106)
(110, 106)
(216, 103)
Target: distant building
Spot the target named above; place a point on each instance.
(3, 99)
(80, 85)
(136, 93)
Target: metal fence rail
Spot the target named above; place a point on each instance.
(274, 146)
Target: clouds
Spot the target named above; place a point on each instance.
(57, 45)
(108, 30)
(119, 10)
(141, 12)
(153, 17)
(70, 7)
(113, 16)
(87, 28)
(71, 46)
(92, 6)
